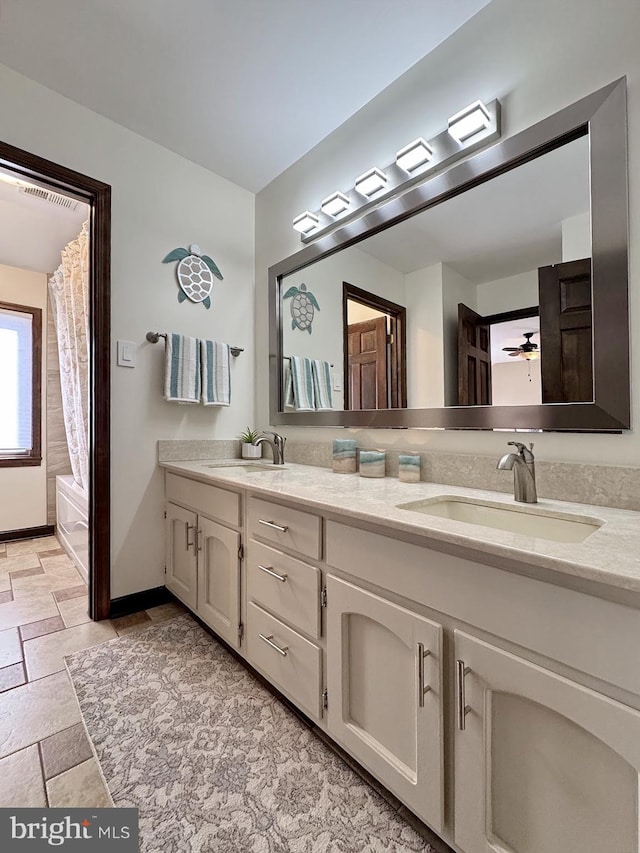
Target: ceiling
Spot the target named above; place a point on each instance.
(511, 334)
(34, 231)
(242, 87)
(498, 229)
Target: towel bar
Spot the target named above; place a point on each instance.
(154, 337)
(288, 358)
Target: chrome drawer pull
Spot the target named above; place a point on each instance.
(269, 571)
(187, 528)
(269, 641)
(462, 707)
(422, 689)
(280, 527)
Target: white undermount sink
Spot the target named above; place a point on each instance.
(247, 468)
(536, 523)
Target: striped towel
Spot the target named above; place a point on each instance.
(182, 369)
(216, 377)
(321, 372)
(302, 384)
(289, 402)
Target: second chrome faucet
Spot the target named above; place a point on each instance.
(523, 465)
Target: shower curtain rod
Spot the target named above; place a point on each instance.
(154, 337)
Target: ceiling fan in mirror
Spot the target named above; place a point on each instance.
(528, 350)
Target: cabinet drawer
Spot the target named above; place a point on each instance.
(286, 527)
(217, 503)
(295, 599)
(296, 668)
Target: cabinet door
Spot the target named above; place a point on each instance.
(542, 764)
(219, 579)
(384, 676)
(181, 553)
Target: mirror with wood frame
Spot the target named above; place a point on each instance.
(492, 296)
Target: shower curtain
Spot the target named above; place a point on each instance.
(69, 294)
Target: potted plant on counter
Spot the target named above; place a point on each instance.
(249, 449)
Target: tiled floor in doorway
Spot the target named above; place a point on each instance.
(45, 757)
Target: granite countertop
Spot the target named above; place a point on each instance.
(610, 555)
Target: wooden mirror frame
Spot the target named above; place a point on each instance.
(603, 115)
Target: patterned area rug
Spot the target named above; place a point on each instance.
(215, 762)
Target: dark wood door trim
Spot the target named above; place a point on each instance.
(98, 195)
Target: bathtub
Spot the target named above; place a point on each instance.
(72, 516)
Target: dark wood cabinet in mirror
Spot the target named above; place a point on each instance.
(511, 273)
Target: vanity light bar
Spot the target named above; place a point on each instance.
(415, 154)
(469, 121)
(335, 204)
(370, 182)
(469, 130)
(305, 222)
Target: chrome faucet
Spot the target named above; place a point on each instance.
(277, 445)
(524, 472)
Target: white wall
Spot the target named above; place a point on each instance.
(516, 383)
(425, 355)
(159, 201)
(536, 56)
(455, 289)
(359, 313)
(508, 294)
(23, 490)
(576, 237)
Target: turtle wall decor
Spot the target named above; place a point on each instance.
(303, 307)
(195, 273)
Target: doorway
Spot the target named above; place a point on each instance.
(374, 345)
(557, 334)
(97, 195)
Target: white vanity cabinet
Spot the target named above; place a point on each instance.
(501, 707)
(283, 623)
(384, 680)
(181, 570)
(203, 556)
(542, 764)
(542, 761)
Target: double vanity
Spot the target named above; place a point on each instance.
(477, 656)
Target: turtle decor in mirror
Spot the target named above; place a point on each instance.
(303, 306)
(195, 273)
(436, 303)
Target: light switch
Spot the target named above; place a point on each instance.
(337, 382)
(126, 354)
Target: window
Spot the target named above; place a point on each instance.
(20, 369)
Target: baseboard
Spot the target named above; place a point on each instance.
(137, 601)
(27, 533)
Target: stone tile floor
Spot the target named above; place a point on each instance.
(45, 757)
